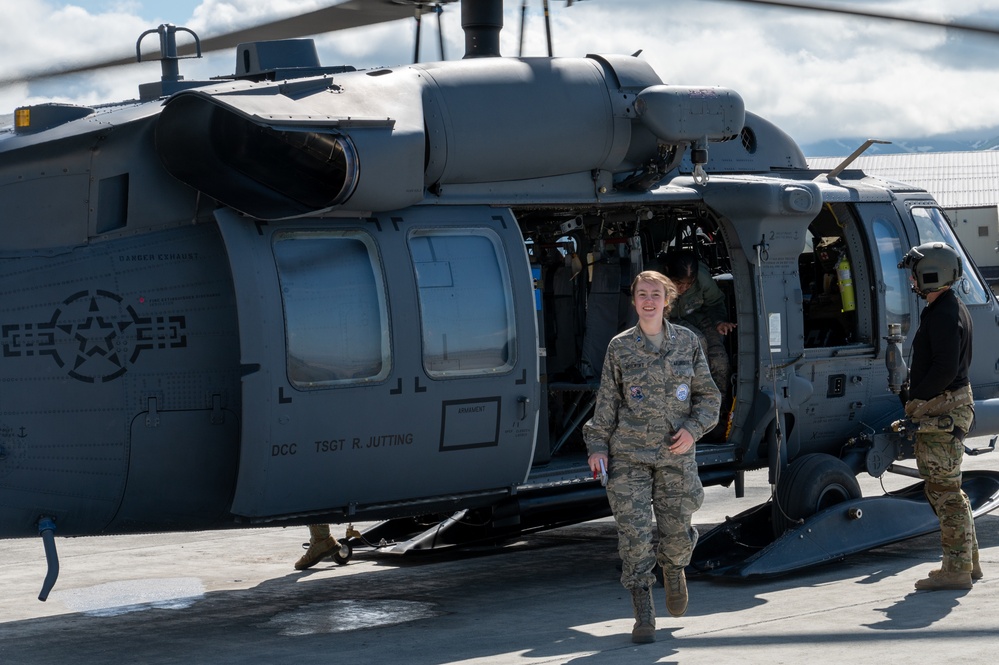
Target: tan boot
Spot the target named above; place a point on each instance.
(941, 579)
(676, 591)
(318, 550)
(976, 572)
(976, 569)
(644, 631)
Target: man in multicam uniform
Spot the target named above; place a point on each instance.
(656, 398)
(700, 306)
(940, 405)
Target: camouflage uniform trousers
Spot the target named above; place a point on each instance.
(713, 346)
(667, 491)
(319, 532)
(939, 450)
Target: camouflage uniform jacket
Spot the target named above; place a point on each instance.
(703, 304)
(647, 395)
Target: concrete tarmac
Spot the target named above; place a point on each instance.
(550, 598)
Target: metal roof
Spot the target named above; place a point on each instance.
(955, 179)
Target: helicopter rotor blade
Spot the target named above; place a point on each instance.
(358, 13)
(866, 13)
(350, 14)
(343, 16)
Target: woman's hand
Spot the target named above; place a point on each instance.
(594, 462)
(682, 442)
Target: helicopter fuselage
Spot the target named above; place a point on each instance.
(388, 293)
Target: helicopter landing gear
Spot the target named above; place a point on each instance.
(343, 553)
(811, 484)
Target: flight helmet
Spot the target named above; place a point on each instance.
(934, 266)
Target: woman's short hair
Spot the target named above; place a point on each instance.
(656, 277)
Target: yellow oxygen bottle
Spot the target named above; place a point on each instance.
(845, 279)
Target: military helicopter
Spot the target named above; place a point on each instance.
(305, 294)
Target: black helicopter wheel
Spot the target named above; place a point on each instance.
(811, 484)
(343, 554)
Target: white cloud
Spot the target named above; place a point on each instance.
(814, 74)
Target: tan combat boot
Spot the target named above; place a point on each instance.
(644, 631)
(321, 545)
(943, 579)
(676, 591)
(976, 569)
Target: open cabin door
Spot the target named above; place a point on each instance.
(387, 362)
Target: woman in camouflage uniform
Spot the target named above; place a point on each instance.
(656, 398)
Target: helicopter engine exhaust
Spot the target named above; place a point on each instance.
(283, 150)
(319, 168)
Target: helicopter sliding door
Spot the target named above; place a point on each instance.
(387, 363)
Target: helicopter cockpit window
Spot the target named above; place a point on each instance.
(336, 320)
(466, 310)
(933, 226)
(836, 312)
(896, 285)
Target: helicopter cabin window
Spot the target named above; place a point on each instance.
(466, 306)
(836, 312)
(336, 321)
(932, 226)
(896, 285)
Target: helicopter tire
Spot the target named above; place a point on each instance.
(343, 554)
(811, 484)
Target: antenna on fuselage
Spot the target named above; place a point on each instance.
(856, 153)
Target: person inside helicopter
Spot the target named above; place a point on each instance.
(700, 306)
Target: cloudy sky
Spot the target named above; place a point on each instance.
(818, 76)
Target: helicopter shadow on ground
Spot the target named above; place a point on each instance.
(714, 595)
(554, 595)
(525, 600)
